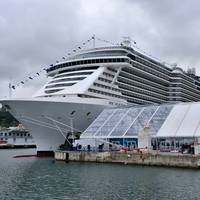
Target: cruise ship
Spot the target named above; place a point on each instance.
(82, 85)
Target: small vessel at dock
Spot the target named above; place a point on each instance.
(16, 137)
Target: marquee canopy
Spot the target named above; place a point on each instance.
(167, 120)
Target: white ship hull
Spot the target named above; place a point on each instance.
(49, 119)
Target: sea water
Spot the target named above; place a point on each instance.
(41, 178)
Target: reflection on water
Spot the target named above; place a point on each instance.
(39, 178)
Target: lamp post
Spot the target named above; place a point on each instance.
(72, 124)
(72, 128)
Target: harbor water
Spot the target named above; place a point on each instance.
(41, 178)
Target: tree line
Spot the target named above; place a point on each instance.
(7, 120)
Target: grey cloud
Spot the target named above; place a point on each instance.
(35, 33)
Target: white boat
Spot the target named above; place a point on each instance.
(16, 137)
(86, 83)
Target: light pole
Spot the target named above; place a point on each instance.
(72, 124)
(72, 128)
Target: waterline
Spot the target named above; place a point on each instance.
(40, 178)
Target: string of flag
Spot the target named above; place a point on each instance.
(133, 42)
(78, 48)
(106, 41)
(135, 45)
(32, 76)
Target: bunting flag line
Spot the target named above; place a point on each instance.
(79, 47)
(31, 77)
(106, 41)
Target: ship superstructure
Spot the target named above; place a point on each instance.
(121, 74)
(81, 86)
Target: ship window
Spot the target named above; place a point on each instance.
(78, 69)
(68, 79)
(5, 134)
(52, 91)
(60, 85)
(73, 112)
(73, 74)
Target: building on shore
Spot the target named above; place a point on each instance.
(169, 126)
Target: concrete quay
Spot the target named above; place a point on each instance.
(151, 158)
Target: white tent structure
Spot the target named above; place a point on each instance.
(182, 121)
(177, 123)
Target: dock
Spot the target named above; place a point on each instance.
(134, 158)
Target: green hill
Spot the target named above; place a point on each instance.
(7, 120)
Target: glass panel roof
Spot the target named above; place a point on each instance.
(91, 130)
(111, 122)
(127, 122)
(159, 118)
(141, 121)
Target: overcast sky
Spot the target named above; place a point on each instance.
(36, 33)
